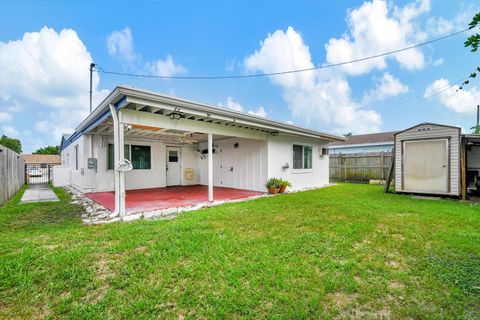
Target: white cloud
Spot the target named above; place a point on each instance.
(5, 116)
(320, 99)
(120, 44)
(233, 105)
(461, 101)
(438, 62)
(375, 28)
(439, 26)
(46, 72)
(387, 86)
(10, 131)
(166, 67)
(260, 112)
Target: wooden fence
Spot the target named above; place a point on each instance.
(12, 173)
(360, 167)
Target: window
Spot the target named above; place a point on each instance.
(111, 152)
(140, 156)
(302, 157)
(173, 156)
(76, 157)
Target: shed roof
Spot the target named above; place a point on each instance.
(365, 139)
(41, 158)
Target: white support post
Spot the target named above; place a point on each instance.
(121, 157)
(210, 167)
(116, 157)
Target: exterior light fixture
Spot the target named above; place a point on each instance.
(274, 133)
(175, 116)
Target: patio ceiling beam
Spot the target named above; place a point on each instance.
(160, 121)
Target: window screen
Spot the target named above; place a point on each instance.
(307, 157)
(302, 157)
(141, 157)
(110, 155)
(297, 156)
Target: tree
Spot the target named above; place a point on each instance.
(473, 42)
(11, 143)
(48, 150)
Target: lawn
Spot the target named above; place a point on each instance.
(348, 251)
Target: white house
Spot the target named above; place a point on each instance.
(175, 142)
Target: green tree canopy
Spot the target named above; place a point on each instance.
(473, 42)
(11, 143)
(48, 150)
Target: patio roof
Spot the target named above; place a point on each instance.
(146, 101)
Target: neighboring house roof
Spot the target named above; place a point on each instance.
(41, 158)
(123, 95)
(366, 139)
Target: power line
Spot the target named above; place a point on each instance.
(416, 100)
(257, 75)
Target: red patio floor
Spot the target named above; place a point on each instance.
(169, 197)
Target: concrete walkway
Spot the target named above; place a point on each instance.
(38, 193)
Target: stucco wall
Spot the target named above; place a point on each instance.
(247, 166)
(102, 179)
(280, 152)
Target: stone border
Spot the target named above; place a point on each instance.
(98, 214)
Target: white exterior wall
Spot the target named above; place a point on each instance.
(89, 180)
(280, 152)
(248, 161)
(253, 162)
(436, 131)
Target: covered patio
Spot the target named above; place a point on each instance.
(144, 200)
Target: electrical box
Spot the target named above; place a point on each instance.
(324, 151)
(92, 163)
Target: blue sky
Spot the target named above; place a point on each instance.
(46, 47)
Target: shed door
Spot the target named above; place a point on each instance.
(425, 165)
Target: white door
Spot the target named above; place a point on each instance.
(425, 165)
(174, 174)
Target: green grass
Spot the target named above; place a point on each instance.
(348, 251)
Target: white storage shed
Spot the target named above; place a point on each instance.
(427, 160)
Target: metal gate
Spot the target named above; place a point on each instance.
(38, 173)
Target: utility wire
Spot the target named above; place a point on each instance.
(257, 75)
(417, 100)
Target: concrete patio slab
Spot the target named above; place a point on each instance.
(144, 200)
(38, 193)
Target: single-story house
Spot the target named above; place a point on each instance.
(364, 143)
(41, 159)
(138, 139)
(437, 159)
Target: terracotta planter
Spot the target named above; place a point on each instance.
(282, 189)
(273, 190)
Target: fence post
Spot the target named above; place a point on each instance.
(383, 164)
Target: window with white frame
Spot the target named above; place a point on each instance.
(302, 157)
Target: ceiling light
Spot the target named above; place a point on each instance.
(175, 116)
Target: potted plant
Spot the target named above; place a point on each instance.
(273, 185)
(283, 185)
